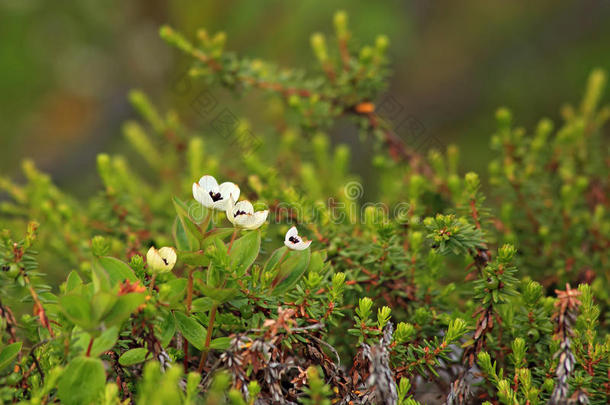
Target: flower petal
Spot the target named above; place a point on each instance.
(291, 232)
(229, 189)
(252, 221)
(220, 205)
(209, 183)
(201, 196)
(169, 254)
(154, 260)
(245, 206)
(302, 245)
(229, 208)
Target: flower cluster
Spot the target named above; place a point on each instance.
(224, 198)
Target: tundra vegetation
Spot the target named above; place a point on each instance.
(247, 268)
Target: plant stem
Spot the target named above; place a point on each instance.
(276, 280)
(208, 338)
(206, 222)
(90, 346)
(232, 239)
(38, 305)
(152, 282)
(189, 291)
(189, 302)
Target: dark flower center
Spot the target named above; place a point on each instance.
(294, 239)
(164, 261)
(239, 212)
(215, 196)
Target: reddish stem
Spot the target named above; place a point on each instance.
(232, 240)
(208, 339)
(90, 346)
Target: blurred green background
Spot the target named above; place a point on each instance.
(66, 67)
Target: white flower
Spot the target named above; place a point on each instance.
(242, 214)
(162, 260)
(209, 194)
(294, 241)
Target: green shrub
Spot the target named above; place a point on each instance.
(431, 292)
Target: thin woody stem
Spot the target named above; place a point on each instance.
(90, 346)
(213, 310)
(38, 305)
(232, 239)
(208, 338)
(152, 282)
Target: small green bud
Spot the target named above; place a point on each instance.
(366, 53)
(416, 238)
(548, 385)
(254, 389)
(318, 44)
(533, 334)
(503, 117)
(506, 253)
(484, 360)
(364, 308)
(100, 246)
(404, 331)
(519, 350)
(13, 270)
(544, 231)
(383, 316)
(340, 21)
(294, 100)
(582, 183)
(472, 181)
(381, 43)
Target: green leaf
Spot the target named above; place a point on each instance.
(176, 290)
(316, 262)
(221, 343)
(8, 354)
(290, 270)
(133, 356)
(105, 341)
(82, 382)
(198, 258)
(274, 258)
(219, 294)
(123, 308)
(168, 329)
(202, 304)
(186, 233)
(192, 330)
(216, 233)
(78, 310)
(114, 270)
(73, 281)
(101, 304)
(244, 252)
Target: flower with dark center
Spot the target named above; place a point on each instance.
(211, 195)
(215, 196)
(294, 241)
(242, 215)
(161, 260)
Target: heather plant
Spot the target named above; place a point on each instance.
(250, 270)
